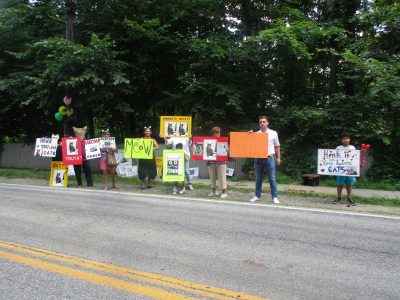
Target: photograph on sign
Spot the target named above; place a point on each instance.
(210, 152)
(338, 162)
(72, 148)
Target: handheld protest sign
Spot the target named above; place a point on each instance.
(339, 162)
(174, 165)
(175, 126)
(249, 144)
(210, 148)
(58, 174)
(92, 148)
(72, 150)
(46, 147)
(138, 148)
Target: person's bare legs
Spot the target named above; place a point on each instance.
(105, 178)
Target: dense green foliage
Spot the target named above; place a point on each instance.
(316, 68)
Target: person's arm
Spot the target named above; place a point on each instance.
(278, 155)
(155, 144)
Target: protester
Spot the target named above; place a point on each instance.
(147, 167)
(108, 162)
(217, 169)
(269, 164)
(80, 133)
(342, 180)
(182, 143)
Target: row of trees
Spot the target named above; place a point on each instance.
(316, 68)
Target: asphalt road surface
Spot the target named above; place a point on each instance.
(90, 244)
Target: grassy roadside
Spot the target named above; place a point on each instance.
(98, 180)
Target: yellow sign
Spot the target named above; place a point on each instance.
(138, 148)
(159, 161)
(58, 174)
(173, 165)
(176, 126)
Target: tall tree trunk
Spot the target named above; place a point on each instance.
(70, 6)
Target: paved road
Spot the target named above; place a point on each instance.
(266, 251)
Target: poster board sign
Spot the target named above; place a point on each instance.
(210, 148)
(58, 174)
(92, 148)
(173, 165)
(72, 150)
(138, 148)
(126, 170)
(194, 173)
(159, 161)
(249, 144)
(107, 142)
(338, 162)
(46, 147)
(229, 172)
(175, 126)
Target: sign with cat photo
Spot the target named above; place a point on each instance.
(92, 148)
(58, 174)
(175, 126)
(173, 165)
(210, 148)
(72, 150)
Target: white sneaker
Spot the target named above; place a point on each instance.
(174, 190)
(254, 199)
(212, 194)
(190, 187)
(275, 200)
(224, 195)
(182, 191)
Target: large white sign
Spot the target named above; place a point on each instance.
(92, 148)
(337, 162)
(107, 142)
(46, 147)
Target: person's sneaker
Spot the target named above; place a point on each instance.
(174, 190)
(350, 202)
(224, 195)
(212, 194)
(190, 187)
(182, 191)
(336, 201)
(275, 200)
(254, 199)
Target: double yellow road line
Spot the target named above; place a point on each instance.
(129, 280)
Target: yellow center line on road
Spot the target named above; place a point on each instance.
(142, 277)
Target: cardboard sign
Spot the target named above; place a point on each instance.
(229, 172)
(173, 165)
(126, 170)
(92, 148)
(58, 174)
(46, 147)
(138, 148)
(107, 142)
(210, 148)
(159, 161)
(175, 126)
(194, 173)
(335, 162)
(249, 144)
(72, 150)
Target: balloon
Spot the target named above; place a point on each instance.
(362, 146)
(367, 146)
(58, 116)
(70, 111)
(67, 100)
(62, 110)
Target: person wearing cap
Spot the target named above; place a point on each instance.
(147, 168)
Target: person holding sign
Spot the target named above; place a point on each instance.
(342, 180)
(217, 169)
(108, 162)
(269, 164)
(182, 143)
(147, 167)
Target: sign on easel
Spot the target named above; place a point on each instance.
(58, 174)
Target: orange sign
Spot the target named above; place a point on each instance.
(249, 144)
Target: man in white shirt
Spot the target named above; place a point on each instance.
(269, 164)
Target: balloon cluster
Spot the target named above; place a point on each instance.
(364, 149)
(64, 110)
